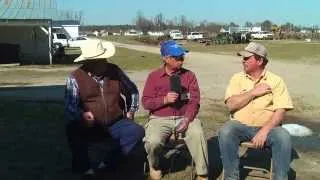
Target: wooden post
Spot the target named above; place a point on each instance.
(50, 40)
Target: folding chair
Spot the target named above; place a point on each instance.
(175, 148)
(266, 173)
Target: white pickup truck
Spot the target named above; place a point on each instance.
(176, 34)
(60, 39)
(194, 36)
(262, 35)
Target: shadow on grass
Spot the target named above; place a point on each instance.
(32, 127)
(15, 84)
(34, 146)
(262, 159)
(254, 158)
(215, 163)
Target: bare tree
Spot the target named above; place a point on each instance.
(232, 24)
(287, 27)
(80, 17)
(266, 25)
(203, 25)
(143, 23)
(213, 27)
(7, 2)
(257, 24)
(159, 22)
(248, 24)
(185, 25)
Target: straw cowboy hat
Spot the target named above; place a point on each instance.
(95, 49)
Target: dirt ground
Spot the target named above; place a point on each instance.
(213, 73)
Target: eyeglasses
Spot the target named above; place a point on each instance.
(178, 58)
(246, 58)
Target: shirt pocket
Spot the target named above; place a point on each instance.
(161, 91)
(264, 102)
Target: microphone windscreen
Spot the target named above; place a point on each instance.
(175, 83)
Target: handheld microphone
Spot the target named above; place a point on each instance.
(175, 83)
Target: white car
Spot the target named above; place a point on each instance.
(176, 35)
(76, 42)
(194, 36)
(262, 35)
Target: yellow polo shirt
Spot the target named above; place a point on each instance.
(260, 109)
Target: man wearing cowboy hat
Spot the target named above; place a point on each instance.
(257, 100)
(95, 107)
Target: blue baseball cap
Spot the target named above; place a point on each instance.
(171, 48)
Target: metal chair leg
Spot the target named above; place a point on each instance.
(271, 169)
(192, 174)
(222, 175)
(172, 162)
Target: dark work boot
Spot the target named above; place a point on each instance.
(134, 163)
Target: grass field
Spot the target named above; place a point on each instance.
(34, 146)
(135, 60)
(122, 39)
(285, 50)
(128, 59)
(33, 142)
(279, 50)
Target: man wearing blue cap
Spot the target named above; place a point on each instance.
(172, 97)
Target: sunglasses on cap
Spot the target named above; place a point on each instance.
(178, 58)
(246, 58)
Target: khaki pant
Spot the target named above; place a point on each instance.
(158, 129)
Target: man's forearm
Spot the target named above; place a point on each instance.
(192, 111)
(275, 120)
(237, 102)
(153, 103)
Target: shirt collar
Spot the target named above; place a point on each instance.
(162, 71)
(262, 76)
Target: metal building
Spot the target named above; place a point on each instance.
(25, 30)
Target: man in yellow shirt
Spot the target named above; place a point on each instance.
(257, 100)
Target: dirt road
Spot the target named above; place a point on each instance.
(213, 72)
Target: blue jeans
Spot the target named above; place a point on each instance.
(233, 133)
(125, 132)
(128, 133)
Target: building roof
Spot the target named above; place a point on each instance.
(34, 9)
(65, 23)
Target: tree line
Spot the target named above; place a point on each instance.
(160, 23)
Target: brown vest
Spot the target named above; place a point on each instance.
(103, 102)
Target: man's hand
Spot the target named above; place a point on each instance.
(88, 116)
(260, 138)
(182, 126)
(130, 115)
(171, 97)
(260, 90)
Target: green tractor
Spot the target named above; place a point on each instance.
(233, 38)
(223, 38)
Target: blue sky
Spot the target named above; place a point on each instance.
(99, 12)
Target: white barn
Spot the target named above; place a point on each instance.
(25, 31)
(24, 42)
(71, 27)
